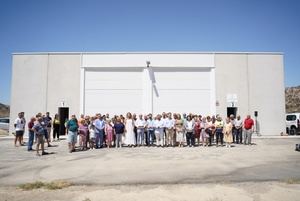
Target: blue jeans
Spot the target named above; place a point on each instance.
(238, 136)
(140, 136)
(99, 138)
(150, 137)
(30, 140)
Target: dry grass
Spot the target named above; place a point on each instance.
(292, 181)
(54, 185)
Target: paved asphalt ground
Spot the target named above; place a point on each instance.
(267, 160)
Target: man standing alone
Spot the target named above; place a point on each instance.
(248, 130)
(19, 127)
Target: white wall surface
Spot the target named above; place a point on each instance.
(28, 90)
(139, 60)
(183, 90)
(122, 90)
(257, 80)
(41, 82)
(266, 92)
(232, 78)
(63, 83)
(183, 68)
(113, 91)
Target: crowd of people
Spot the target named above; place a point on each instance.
(162, 130)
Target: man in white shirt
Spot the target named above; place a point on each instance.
(140, 124)
(169, 124)
(238, 125)
(19, 128)
(159, 131)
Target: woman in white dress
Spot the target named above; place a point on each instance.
(129, 133)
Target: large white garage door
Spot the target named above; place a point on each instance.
(113, 91)
(182, 90)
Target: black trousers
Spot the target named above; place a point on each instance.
(190, 138)
(233, 135)
(210, 139)
(56, 131)
(219, 137)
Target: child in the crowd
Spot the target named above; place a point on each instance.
(92, 135)
(109, 133)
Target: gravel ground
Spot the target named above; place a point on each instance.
(199, 173)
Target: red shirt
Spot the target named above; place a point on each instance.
(248, 123)
(30, 125)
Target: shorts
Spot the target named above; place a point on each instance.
(72, 137)
(46, 134)
(19, 133)
(40, 139)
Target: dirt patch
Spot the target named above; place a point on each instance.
(179, 192)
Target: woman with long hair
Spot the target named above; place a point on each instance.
(130, 139)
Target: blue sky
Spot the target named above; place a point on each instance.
(149, 25)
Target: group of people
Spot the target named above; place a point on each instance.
(39, 130)
(162, 130)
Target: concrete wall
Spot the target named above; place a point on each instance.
(41, 82)
(258, 81)
(28, 90)
(266, 92)
(64, 83)
(231, 78)
(139, 59)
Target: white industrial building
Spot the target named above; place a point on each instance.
(152, 82)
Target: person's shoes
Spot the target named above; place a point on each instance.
(49, 145)
(45, 153)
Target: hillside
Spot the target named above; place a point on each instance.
(4, 110)
(292, 99)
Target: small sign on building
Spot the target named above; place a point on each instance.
(232, 99)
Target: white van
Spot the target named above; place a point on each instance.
(293, 123)
(4, 123)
